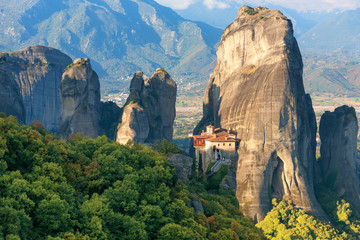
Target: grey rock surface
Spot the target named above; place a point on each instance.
(36, 74)
(338, 133)
(149, 111)
(134, 125)
(257, 90)
(11, 101)
(80, 100)
(182, 165)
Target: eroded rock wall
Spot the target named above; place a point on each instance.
(257, 90)
(34, 74)
(338, 134)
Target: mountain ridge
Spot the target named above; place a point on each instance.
(121, 37)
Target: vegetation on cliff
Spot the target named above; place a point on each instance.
(98, 189)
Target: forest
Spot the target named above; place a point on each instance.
(86, 188)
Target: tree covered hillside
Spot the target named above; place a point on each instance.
(99, 189)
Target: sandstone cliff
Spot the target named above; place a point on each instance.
(149, 111)
(257, 90)
(34, 74)
(338, 133)
(80, 100)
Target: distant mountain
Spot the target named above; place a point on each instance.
(331, 52)
(119, 36)
(338, 32)
(302, 21)
(334, 72)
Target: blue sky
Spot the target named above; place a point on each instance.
(300, 5)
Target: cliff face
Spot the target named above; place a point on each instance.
(338, 133)
(10, 99)
(34, 74)
(257, 90)
(150, 109)
(80, 100)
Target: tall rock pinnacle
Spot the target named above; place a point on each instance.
(80, 100)
(150, 109)
(338, 133)
(257, 90)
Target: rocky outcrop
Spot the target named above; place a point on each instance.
(29, 81)
(80, 100)
(134, 125)
(149, 111)
(182, 165)
(257, 90)
(338, 133)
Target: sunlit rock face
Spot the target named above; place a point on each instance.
(338, 133)
(80, 100)
(29, 82)
(257, 90)
(149, 112)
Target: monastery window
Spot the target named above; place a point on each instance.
(218, 144)
(223, 144)
(229, 144)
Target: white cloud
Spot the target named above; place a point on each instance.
(300, 5)
(177, 4)
(317, 5)
(211, 4)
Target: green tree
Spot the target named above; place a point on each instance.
(52, 216)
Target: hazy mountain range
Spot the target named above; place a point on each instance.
(119, 36)
(302, 21)
(125, 36)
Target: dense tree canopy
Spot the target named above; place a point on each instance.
(98, 189)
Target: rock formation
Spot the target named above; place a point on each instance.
(80, 100)
(338, 133)
(257, 90)
(182, 165)
(34, 74)
(149, 111)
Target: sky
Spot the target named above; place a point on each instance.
(299, 5)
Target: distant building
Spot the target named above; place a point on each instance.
(215, 144)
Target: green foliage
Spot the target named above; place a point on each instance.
(210, 165)
(82, 62)
(166, 147)
(251, 11)
(200, 165)
(221, 216)
(343, 211)
(215, 180)
(284, 221)
(98, 189)
(343, 217)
